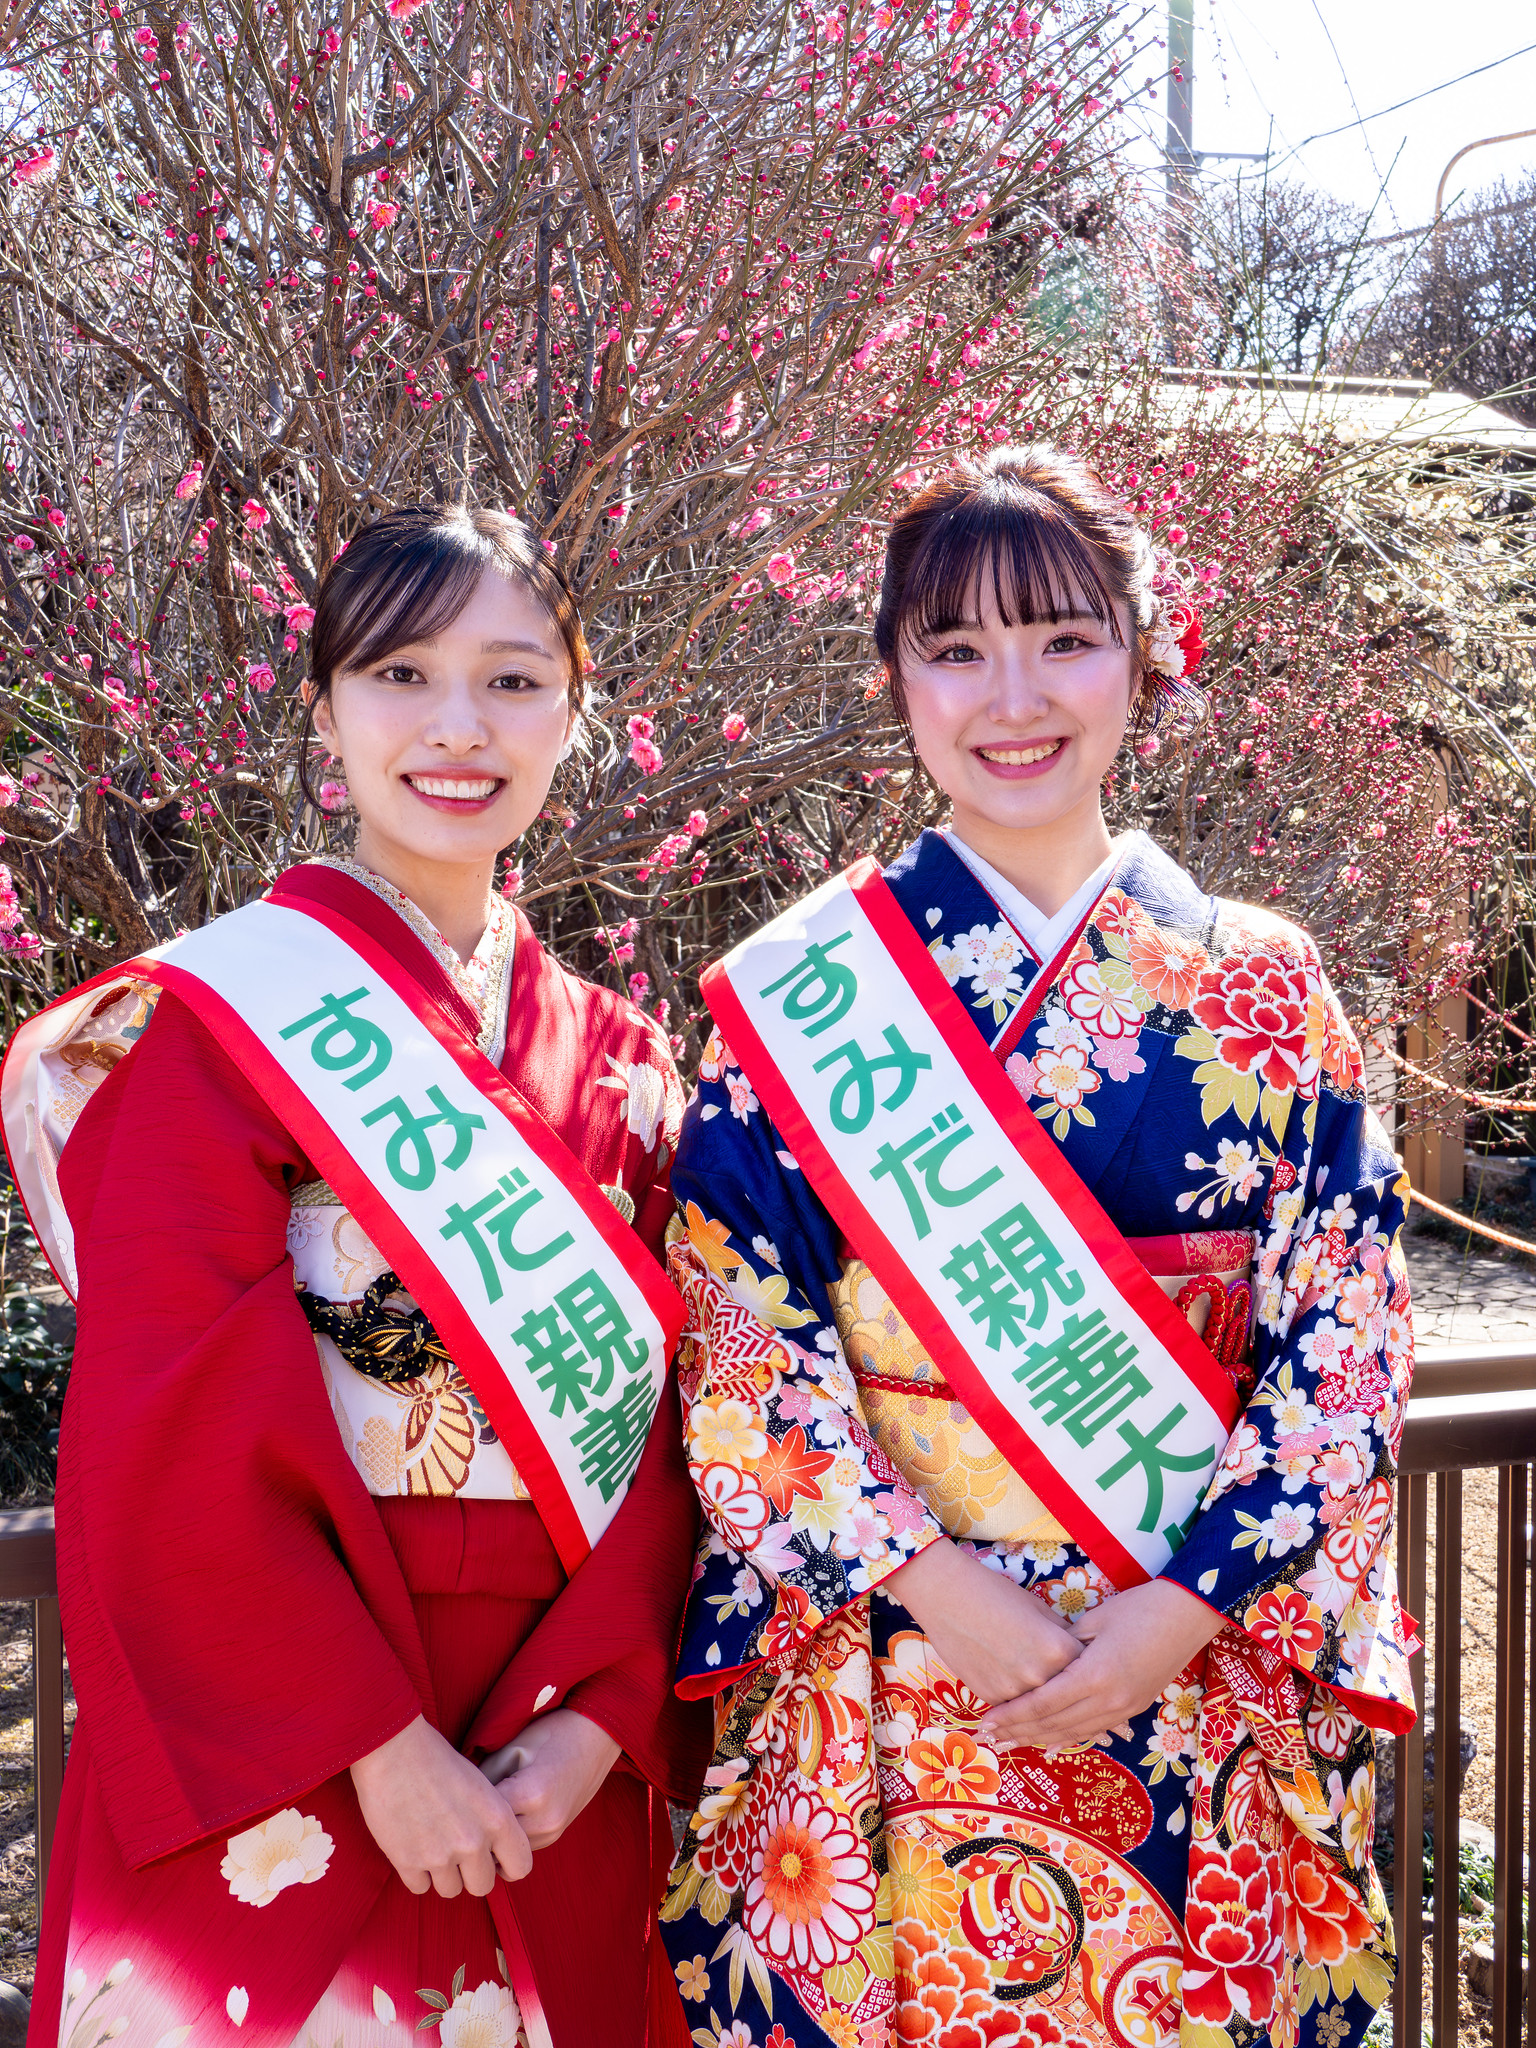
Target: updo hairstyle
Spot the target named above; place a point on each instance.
(1039, 526)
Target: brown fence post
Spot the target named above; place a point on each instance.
(1509, 1756)
(47, 1730)
(1408, 1819)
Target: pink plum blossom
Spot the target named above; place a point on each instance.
(734, 727)
(191, 483)
(254, 514)
(260, 675)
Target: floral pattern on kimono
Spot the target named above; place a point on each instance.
(862, 1869)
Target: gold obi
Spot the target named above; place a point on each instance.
(930, 1437)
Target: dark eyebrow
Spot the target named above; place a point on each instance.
(490, 646)
(516, 647)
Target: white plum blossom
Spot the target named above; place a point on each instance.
(486, 2017)
(290, 1848)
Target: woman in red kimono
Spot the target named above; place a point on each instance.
(306, 1587)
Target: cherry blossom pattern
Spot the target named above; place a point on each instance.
(262, 1861)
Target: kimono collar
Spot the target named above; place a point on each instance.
(1043, 935)
(966, 920)
(485, 978)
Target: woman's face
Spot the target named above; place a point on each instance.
(1019, 724)
(448, 745)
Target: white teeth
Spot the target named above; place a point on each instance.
(437, 785)
(1018, 757)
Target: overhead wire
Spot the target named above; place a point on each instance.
(1381, 183)
(1326, 134)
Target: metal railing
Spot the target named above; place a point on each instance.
(1473, 1407)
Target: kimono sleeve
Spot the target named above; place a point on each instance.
(803, 1511)
(1291, 1541)
(238, 1630)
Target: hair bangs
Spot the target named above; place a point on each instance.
(427, 579)
(1035, 563)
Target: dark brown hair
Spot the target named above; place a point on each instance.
(410, 574)
(1039, 526)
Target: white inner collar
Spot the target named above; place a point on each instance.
(1045, 936)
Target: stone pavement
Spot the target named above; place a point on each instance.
(1474, 1299)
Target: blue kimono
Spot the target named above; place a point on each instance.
(863, 1869)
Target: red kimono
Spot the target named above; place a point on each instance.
(263, 1577)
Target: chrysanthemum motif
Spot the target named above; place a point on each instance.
(290, 1848)
(811, 1899)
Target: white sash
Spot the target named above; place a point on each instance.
(548, 1302)
(1019, 1287)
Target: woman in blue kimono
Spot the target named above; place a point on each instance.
(982, 1774)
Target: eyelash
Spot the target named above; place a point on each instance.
(965, 647)
(401, 672)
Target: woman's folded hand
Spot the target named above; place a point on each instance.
(1133, 1645)
(437, 1817)
(998, 1640)
(565, 1758)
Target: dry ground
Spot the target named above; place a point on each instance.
(18, 1869)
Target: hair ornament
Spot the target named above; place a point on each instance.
(1175, 642)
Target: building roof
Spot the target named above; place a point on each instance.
(1401, 409)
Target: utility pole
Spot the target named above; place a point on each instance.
(1180, 156)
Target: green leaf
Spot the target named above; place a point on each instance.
(435, 1999)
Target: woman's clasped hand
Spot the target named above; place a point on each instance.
(437, 1817)
(1050, 1683)
(443, 1824)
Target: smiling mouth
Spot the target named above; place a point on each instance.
(1021, 757)
(456, 788)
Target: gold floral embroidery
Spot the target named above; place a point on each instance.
(938, 1449)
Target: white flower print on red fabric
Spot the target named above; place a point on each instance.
(290, 1848)
(645, 1097)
